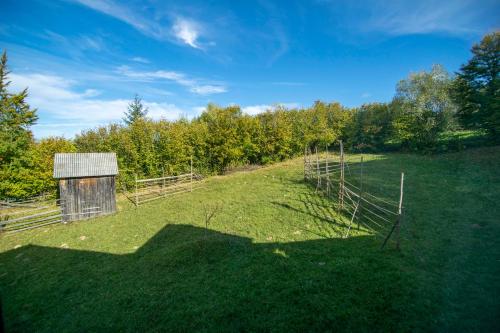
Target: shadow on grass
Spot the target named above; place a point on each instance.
(190, 279)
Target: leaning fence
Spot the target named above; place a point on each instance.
(34, 213)
(344, 181)
(29, 214)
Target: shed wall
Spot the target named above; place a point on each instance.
(86, 197)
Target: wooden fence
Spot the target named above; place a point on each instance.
(34, 213)
(344, 181)
(29, 214)
(147, 190)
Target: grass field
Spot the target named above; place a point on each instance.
(272, 259)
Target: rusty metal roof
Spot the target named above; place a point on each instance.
(75, 165)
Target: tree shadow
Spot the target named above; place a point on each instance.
(192, 279)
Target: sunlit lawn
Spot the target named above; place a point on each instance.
(272, 259)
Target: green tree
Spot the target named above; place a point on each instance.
(477, 87)
(423, 108)
(31, 173)
(276, 138)
(371, 127)
(135, 111)
(16, 117)
(223, 144)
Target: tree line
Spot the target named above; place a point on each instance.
(426, 105)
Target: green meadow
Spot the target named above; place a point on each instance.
(272, 258)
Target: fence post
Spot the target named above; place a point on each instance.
(191, 184)
(400, 209)
(136, 193)
(327, 173)
(305, 162)
(360, 191)
(309, 163)
(163, 180)
(397, 224)
(318, 172)
(341, 182)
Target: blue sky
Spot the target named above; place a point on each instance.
(83, 60)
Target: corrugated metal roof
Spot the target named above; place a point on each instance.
(74, 165)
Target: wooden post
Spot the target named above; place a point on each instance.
(309, 163)
(163, 182)
(360, 191)
(191, 174)
(397, 224)
(341, 182)
(305, 152)
(136, 193)
(327, 174)
(318, 173)
(400, 209)
(305, 162)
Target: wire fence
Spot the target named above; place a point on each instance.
(346, 183)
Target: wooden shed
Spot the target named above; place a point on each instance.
(86, 184)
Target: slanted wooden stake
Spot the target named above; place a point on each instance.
(400, 209)
(397, 224)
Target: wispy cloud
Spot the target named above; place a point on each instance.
(126, 14)
(187, 32)
(396, 18)
(141, 60)
(366, 95)
(194, 85)
(175, 28)
(75, 46)
(418, 17)
(208, 89)
(376, 20)
(288, 83)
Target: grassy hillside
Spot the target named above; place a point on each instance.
(272, 259)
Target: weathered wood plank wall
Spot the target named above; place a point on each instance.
(87, 197)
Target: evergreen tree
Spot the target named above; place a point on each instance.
(477, 87)
(16, 117)
(135, 111)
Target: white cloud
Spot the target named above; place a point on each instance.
(186, 31)
(253, 110)
(207, 89)
(256, 109)
(198, 110)
(71, 111)
(366, 95)
(141, 60)
(194, 85)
